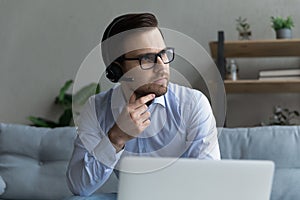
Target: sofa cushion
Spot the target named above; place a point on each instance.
(280, 144)
(33, 161)
(286, 184)
(277, 143)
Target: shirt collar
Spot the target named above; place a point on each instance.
(160, 100)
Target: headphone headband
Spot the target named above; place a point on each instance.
(113, 70)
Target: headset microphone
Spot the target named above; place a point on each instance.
(127, 79)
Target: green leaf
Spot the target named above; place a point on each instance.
(296, 113)
(66, 102)
(83, 94)
(98, 89)
(281, 23)
(286, 110)
(63, 90)
(283, 117)
(65, 118)
(242, 25)
(41, 122)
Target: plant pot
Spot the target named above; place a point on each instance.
(284, 33)
(245, 35)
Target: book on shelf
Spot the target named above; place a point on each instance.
(280, 78)
(279, 73)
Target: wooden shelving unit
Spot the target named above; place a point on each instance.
(260, 48)
(262, 86)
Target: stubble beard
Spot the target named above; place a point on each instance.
(152, 88)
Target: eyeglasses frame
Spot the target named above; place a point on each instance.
(156, 55)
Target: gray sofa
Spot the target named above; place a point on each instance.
(33, 161)
(278, 143)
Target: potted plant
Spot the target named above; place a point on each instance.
(243, 27)
(282, 27)
(66, 100)
(282, 116)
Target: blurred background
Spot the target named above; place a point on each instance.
(44, 42)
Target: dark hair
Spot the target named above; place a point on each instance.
(129, 21)
(124, 23)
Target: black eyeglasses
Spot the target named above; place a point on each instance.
(149, 60)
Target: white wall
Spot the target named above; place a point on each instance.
(43, 42)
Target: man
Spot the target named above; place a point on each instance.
(143, 116)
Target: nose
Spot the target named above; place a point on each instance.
(160, 65)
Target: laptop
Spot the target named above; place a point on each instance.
(149, 178)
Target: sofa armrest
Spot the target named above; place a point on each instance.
(108, 196)
(2, 185)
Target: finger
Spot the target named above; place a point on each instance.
(144, 100)
(139, 111)
(132, 98)
(146, 123)
(139, 119)
(145, 116)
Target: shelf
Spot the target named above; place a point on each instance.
(262, 86)
(258, 48)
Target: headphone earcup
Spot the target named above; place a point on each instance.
(114, 72)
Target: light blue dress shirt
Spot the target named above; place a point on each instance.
(182, 125)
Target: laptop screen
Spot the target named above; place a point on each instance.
(148, 178)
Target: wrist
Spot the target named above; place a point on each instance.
(116, 138)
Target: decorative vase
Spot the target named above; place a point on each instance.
(284, 33)
(245, 35)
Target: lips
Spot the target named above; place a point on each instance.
(161, 81)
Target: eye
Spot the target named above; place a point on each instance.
(164, 54)
(167, 55)
(149, 58)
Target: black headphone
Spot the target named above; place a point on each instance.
(113, 70)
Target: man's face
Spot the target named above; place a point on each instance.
(145, 81)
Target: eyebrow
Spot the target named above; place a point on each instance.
(141, 54)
